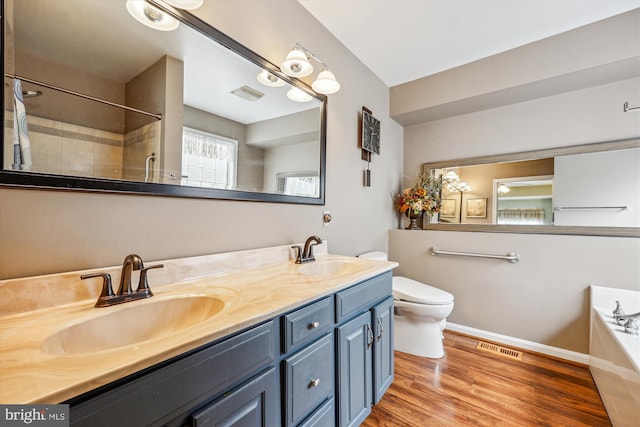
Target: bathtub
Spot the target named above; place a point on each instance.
(615, 355)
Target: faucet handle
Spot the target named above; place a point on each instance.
(107, 289)
(143, 284)
(631, 327)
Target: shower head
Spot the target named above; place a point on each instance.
(31, 93)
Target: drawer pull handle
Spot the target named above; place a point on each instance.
(314, 383)
(370, 336)
(381, 328)
(314, 325)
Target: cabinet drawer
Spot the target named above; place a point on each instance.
(307, 323)
(173, 389)
(362, 296)
(324, 416)
(309, 378)
(253, 404)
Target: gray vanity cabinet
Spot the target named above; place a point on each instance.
(319, 365)
(364, 339)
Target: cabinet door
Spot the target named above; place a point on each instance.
(383, 348)
(251, 405)
(354, 385)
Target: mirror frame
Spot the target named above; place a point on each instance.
(534, 155)
(11, 178)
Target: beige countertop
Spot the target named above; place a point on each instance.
(29, 374)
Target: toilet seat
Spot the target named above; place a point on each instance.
(405, 289)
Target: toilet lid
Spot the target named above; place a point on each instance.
(409, 290)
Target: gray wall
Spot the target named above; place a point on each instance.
(543, 298)
(53, 231)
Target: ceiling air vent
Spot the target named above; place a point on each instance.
(250, 94)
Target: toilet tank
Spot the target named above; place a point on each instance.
(375, 255)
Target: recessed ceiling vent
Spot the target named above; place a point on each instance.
(250, 94)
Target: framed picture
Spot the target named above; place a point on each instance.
(477, 208)
(448, 208)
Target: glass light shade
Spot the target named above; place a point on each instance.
(326, 83)
(268, 79)
(151, 16)
(296, 64)
(186, 4)
(297, 95)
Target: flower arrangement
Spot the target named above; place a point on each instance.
(424, 196)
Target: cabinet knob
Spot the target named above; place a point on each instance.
(314, 325)
(314, 383)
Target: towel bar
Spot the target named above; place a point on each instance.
(511, 256)
(593, 208)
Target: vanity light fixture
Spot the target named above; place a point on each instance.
(185, 4)
(268, 79)
(151, 16)
(297, 95)
(297, 65)
(453, 181)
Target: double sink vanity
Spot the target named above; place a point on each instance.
(243, 338)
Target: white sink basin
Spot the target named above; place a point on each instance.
(132, 324)
(328, 268)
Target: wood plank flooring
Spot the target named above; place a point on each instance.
(470, 387)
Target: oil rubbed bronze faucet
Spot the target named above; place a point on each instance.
(306, 254)
(125, 293)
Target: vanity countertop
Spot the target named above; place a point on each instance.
(252, 295)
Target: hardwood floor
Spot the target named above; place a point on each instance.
(470, 387)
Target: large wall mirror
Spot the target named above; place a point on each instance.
(109, 104)
(591, 189)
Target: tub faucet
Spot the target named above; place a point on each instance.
(629, 322)
(306, 254)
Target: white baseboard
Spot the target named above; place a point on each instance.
(523, 344)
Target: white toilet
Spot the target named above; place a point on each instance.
(420, 314)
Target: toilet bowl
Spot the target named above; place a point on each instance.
(420, 313)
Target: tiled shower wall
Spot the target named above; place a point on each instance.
(67, 149)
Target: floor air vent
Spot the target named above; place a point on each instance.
(502, 351)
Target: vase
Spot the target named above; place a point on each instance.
(413, 225)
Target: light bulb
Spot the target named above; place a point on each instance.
(151, 16)
(268, 79)
(297, 95)
(326, 83)
(186, 4)
(296, 64)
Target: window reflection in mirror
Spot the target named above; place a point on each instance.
(523, 200)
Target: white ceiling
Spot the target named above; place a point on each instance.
(403, 40)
